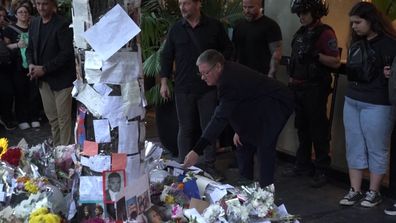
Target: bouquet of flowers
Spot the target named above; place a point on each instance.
(31, 185)
(174, 194)
(12, 156)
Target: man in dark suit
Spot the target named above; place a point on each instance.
(50, 54)
(256, 106)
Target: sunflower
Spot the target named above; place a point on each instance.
(3, 146)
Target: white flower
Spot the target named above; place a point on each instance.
(212, 213)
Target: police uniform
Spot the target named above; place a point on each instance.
(311, 84)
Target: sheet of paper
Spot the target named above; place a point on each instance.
(133, 168)
(91, 188)
(90, 148)
(130, 92)
(89, 97)
(92, 76)
(2, 196)
(92, 61)
(102, 130)
(177, 172)
(100, 163)
(85, 161)
(102, 89)
(82, 17)
(118, 161)
(128, 136)
(222, 186)
(120, 68)
(217, 194)
(114, 110)
(119, 29)
(193, 214)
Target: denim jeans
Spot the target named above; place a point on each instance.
(368, 128)
(194, 111)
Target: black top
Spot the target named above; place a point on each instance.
(54, 50)
(375, 92)
(251, 41)
(14, 37)
(179, 48)
(247, 99)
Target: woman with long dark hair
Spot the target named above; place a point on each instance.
(368, 115)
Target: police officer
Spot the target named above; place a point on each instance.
(314, 53)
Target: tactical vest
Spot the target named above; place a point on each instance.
(302, 66)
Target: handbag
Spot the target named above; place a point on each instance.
(360, 66)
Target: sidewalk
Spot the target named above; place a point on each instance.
(312, 205)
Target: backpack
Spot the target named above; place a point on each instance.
(5, 54)
(392, 83)
(360, 65)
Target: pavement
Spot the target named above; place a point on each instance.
(312, 205)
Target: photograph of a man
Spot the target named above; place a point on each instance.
(113, 185)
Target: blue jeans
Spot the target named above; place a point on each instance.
(368, 128)
(194, 111)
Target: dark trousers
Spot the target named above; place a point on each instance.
(313, 125)
(7, 93)
(27, 97)
(191, 107)
(266, 149)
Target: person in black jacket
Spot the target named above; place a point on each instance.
(50, 55)
(256, 106)
(195, 102)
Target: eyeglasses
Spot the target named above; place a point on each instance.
(207, 72)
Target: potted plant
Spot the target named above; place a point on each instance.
(157, 17)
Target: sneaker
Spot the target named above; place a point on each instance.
(391, 210)
(23, 125)
(213, 173)
(372, 199)
(351, 198)
(318, 180)
(35, 124)
(7, 125)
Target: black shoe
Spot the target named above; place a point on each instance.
(391, 210)
(319, 180)
(8, 125)
(351, 198)
(298, 171)
(213, 173)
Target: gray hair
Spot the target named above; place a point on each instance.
(210, 57)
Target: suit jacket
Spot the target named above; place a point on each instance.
(54, 51)
(255, 106)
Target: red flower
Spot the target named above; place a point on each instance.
(12, 156)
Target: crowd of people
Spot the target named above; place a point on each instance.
(221, 80)
(40, 70)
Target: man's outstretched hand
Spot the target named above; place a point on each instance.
(191, 159)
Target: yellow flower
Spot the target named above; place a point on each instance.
(42, 215)
(3, 146)
(169, 199)
(31, 187)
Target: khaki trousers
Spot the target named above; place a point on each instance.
(57, 107)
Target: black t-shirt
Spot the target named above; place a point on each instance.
(375, 92)
(44, 31)
(12, 34)
(251, 41)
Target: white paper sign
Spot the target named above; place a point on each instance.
(81, 19)
(102, 89)
(128, 136)
(120, 68)
(119, 29)
(102, 131)
(98, 163)
(133, 168)
(89, 97)
(91, 188)
(193, 214)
